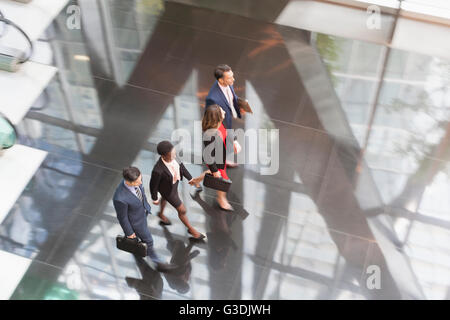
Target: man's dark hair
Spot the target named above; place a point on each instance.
(164, 147)
(220, 69)
(131, 174)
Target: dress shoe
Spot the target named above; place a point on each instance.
(200, 237)
(165, 223)
(162, 223)
(232, 165)
(231, 209)
(197, 240)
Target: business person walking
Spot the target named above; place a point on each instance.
(222, 94)
(166, 175)
(132, 210)
(178, 279)
(215, 133)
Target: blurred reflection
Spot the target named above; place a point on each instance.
(77, 190)
(178, 279)
(151, 285)
(410, 126)
(407, 145)
(88, 116)
(219, 238)
(8, 134)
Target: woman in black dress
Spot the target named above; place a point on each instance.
(166, 175)
(213, 129)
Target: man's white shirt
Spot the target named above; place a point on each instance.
(229, 95)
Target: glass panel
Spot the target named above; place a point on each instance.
(386, 3)
(437, 8)
(7, 134)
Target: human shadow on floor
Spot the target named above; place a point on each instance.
(151, 285)
(219, 240)
(178, 279)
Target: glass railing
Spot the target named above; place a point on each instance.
(8, 134)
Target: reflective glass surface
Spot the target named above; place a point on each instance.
(7, 134)
(363, 161)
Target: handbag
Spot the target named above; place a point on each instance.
(133, 246)
(220, 184)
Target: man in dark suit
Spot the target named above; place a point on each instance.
(222, 93)
(132, 210)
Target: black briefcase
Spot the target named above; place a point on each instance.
(133, 246)
(220, 184)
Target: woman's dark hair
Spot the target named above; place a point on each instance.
(164, 147)
(131, 174)
(212, 117)
(220, 69)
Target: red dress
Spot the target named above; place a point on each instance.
(223, 134)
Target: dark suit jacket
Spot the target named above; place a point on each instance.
(131, 212)
(162, 180)
(216, 96)
(214, 163)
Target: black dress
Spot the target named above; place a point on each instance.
(216, 162)
(162, 182)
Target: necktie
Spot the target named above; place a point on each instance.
(139, 193)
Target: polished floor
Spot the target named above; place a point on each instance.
(363, 179)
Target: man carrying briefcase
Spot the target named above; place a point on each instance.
(132, 209)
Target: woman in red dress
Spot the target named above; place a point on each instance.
(212, 127)
(223, 135)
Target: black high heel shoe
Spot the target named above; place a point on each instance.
(164, 223)
(201, 237)
(231, 209)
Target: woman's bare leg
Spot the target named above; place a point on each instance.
(161, 212)
(183, 217)
(222, 200)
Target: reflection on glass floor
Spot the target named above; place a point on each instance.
(407, 143)
(364, 187)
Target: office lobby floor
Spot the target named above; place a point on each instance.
(359, 205)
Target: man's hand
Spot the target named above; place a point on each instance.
(156, 202)
(242, 111)
(133, 236)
